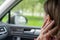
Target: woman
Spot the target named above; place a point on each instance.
(51, 27)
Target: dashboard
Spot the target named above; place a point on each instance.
(24, 31)
(3, 31)
(18, 31)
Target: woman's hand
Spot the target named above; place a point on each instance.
(47, 32)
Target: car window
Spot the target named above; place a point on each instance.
(1, 2)
(5, 19)
(27, 12)
(32, 10)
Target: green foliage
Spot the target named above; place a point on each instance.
(1, 1)
(42, 1)
(30, 5)
(34, 21)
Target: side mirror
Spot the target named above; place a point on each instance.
(21, 20)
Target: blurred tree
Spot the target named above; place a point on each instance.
(42, 1)
(1, 1)
(30, 5)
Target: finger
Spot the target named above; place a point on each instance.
(45, 22)
(46, 18)
(45, 27)
(38, 38)
(53, 31)
(48, 27)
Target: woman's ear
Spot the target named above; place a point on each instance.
(48, 17)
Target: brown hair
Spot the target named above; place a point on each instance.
(52, 8)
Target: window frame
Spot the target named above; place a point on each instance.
(8, 9)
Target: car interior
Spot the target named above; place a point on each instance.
(12, 30)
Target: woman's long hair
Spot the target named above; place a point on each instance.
(52, 8)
